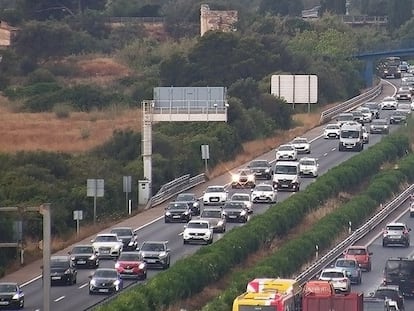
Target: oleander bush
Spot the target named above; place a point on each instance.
(211, 262)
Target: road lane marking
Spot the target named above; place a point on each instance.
(84, 285)
(325, 154)
(59, 299)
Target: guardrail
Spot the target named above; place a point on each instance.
(317, 266)
(174, 187)
(327, 115)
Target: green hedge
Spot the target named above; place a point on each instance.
(302, 249)
(190, 275)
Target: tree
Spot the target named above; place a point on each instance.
(334, 6)
(281, 7)
(399, 12)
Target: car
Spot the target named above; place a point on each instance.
(215, 217)
(128, 237)
(308, 167)
(62, 270)
(351, 267)
(301, 145)
(105, 281)
(338, 278)
(107, 245)
(374, 107)
(406, 107)
(130, 265)
(377, 304)
(177, 212)
(156, 254)
(361, 254)
(388, 103)
(398, 116)
(286, 152)
(244, 178)
(261, 169)
(192, 201)
(84, 256)
(389, 292)
(358, 116)
(396, 233)
(11, 296)
(365, 135)
(400, 271)
(403, 94)
(198, 230)
(412, 209)
(245, 198)
(379, 126)
(331, 131)
(235, 211)
(404, 67)
(366, 114)
(264, 193)
(344, 117)
(215, 195)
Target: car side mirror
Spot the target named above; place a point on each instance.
(251, 190)
(92, 241)
(409, 229)
(185, 226)
(90, 276)
(69, 253)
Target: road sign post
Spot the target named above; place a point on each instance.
(77, 215)
(95, 188)
(126, 184)
(205, 155)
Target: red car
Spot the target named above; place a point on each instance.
(361, 254)
(130, 265)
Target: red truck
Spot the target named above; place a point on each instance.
(320, 296)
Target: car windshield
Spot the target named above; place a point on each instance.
(386, 293)
(259, 164)
(263, 188)
(308, 162)
(211, 214)
(177, 206)
(239, 197)
(379, 122)
(356, 251)
(235, 205)
(110, 274)
(129, 257)
(215, 189)
(404, 106)
(345, 117)
(332, 274)
(300, 141)
(59, 263)
(399, 113)
(286, 148)
(350, 134)
(153, 247)
(185, 197)
(106, 238)
(122, 232)
(82, 250)
(345, 263)
(399, 267)
(364, 110)
(243, 172)
(286, 169)
(333, 127)
(395, 228)
(371, 105)
(8, 288)
(197, 225)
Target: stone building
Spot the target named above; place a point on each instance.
(7, 34)
(217, 20)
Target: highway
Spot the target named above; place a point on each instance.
(76, 297)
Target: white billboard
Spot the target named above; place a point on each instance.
(295, 89)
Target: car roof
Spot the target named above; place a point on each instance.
(107, 234)
(83, 245)
(218, 186)
(212, 209)
(396, 224)
(391, 287)
(245, 194)
(333, 270)
(307, 159)
(123, 228)
(9, 283)
(291, 163)
(346, 259)
(198, 221)
(357, 247)
(156, 242)
(263, 184)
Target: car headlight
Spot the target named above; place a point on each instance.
(250, 178)
(72, 258)
(195, 204)
(167, 214)
(117, 265)
(117, 247)
(220, 223)
(117, 282)
(386, 126)
(93, 282)
(67, 271)
(242, 213)
(16, 296)
(131, 243)
(92, 257)
(267, 170)
(162, 254)
(224, 213)
(141, 266)
(234, 178)
(186, 212)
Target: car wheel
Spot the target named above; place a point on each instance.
(369, 267)
(407, 244)
(144, 276)
(21, 304)
(90, 292)
(184, 242)
(360, 280)
(384, 244)
(166, 220)
(74, 280)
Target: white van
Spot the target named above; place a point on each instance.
(286, 175)
(351, 137)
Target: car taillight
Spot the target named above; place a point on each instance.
(385, 232)
(405, 231)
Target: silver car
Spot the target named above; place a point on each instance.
(215, 217)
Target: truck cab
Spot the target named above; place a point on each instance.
(286, 175)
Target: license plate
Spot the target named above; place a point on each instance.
(4, 303)
(56, 277)
(232, 216)
(128, 270)
(103, 290)
(395, 237)
(176, 216)
(105, 252)
(214, 200)
(151, 260)
(285, 186)
(81, 262)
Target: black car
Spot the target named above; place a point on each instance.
(128, 237)
(84, 256)
(389, 292)
(379, 126)
(192, 201)
(62, 270)
(398, 116)
(105, 281)
(235, 211)
(11, 296)
(261, 169)
(156, 254)
(177, 212)
(400, 271)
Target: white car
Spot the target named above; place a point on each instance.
(301, 145)
(412, 209)
(286, 152)
(366, 114)
(107, 245)
(264, 193)
(332, 131)
(338, 278)
(388, 103)
(215, 195)
(198, 231)
(245, 198)
(365, 135)
(308, 167)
